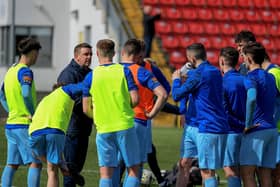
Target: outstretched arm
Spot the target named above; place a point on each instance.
(88, 107)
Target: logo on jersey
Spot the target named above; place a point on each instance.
(154, 79)
(27, 79)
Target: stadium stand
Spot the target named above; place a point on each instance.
(211, 22)
(214, 23)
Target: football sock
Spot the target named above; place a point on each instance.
(211, 182)
(131, 182)
(234, 182)
(7, 176)
(105, 182)
(33, 178)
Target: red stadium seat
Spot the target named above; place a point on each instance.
(205, 14)
(229, 41)
(268, 16)
(215, 3)
(221, 15)
(228, 29)
(231, 3)
(177, 59)
(186, 41)
(245, 3)
(275, 58)
(274, 29)
(212, 57)
(172, 13)
(261, 3)
(189, 13)
(259, 29)
(274, 3)
(150, 2)
(163, 27)
(199, 3)
(212, 28)
(205, 41)
(183, 2)
(242, 26)
(236, 15)
(252, 15)
(170, 43)
(268, 43)
(218, 42)
(180, 28)
(195, 27)
(167, 2)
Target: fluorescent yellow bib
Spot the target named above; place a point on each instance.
(18, 112)
(276, 73)
(111, 99)
(54, 111)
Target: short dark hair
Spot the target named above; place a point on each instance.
(132, 47)
(58, 85)
(231, 56)
(106, 48)
(78, 47)
(246, 36)
(28, 44)
(198, 49)
(256, 51)
(266, 57)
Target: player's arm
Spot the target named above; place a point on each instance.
(179, 89)
(132, 87)
(87, 100)
(25, 77)
(88, 107)
(148, 80)
(161, 78)
(3, 99)
(161, 95)
(250, 108)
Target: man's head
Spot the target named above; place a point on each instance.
(83, 54)
(195, 53)
(228, 58)
(105, 49)
(132, 50)
(147, 9)
(254, 54)
(29, 47)
(243, 38)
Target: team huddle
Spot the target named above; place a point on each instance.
(229, 115)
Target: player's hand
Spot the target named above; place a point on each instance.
(246, 130)
(29, 117)
(148, 115)
(176, 74)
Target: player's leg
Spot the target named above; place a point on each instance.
(248, 175)
(231, 161)
(129, 149)
(53, 180)
(13, 159)
(188, 150)
(107, 150)
(184, 172)
(268, 153)
(276, 171)
(141, 134)
(35, 165)
(211, 149)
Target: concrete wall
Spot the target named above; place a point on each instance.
(68, 30)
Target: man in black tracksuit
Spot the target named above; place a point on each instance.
(77, 136)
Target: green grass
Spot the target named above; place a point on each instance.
(166, 140)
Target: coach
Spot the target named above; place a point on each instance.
(77, 136)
